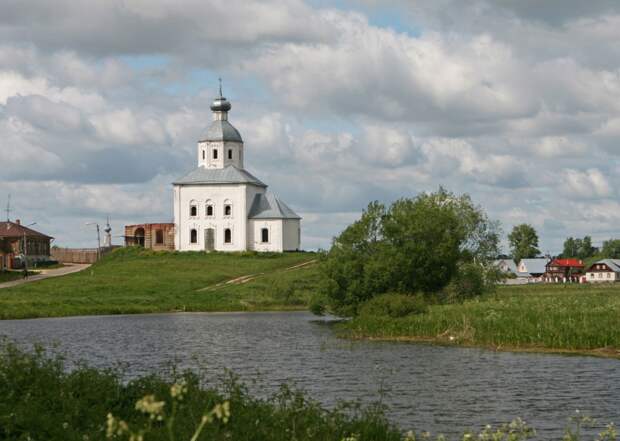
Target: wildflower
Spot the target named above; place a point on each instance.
(178, 390)
(65, 425)
(409, 436)
(148, 405)
(115, 427)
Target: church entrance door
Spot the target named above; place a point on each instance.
(209, 239)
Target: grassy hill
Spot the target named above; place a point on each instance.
(132, 280)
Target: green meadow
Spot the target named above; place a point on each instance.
(133, 281)
(562, 318)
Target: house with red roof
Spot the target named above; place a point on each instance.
(18, 242)
(564, 270)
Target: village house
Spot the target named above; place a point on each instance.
(506, 266)
(18, 242)
(564, 270)
(532, 269)
(607, 270)
(221, 206)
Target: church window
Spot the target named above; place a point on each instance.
(229, 153)
(203, 154)
(264, 235)
(193, 236)
(227, 235)
(228, 210)
(214, 153)
(159, 237)
(193, 210)
(209, 210)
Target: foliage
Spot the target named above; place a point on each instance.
(471, 280)
(579, 248)
(611, 249)
(415, 245)
(5, 246)
(134, 280)
(394, 305)
(523, 242)
(43, 400)
(580, 318)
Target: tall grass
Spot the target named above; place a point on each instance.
(563, 317)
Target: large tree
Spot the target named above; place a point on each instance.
(415, 245)
(611, 249)
(523, 242)
(580, 248)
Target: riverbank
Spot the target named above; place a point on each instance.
(577, 319)
(134, 281)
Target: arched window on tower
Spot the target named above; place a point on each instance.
(193, 209)
(193, 236)
(227, 235)
(214, 153)
(227, 208)
(229, 153)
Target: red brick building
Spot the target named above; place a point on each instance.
(13, 237)
(151, 236)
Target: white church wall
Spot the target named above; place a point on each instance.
(274, 226)
(206, 157)
(219, 196)
(291, 234)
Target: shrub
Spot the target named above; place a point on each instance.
(394, 305)
(471, 280)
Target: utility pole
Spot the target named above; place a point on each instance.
(98, 239)
(25, 250)
(8, 209)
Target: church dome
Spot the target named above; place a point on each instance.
(221, 104)
(221, 130)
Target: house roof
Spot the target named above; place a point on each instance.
(269, 206)
(12, 229)
(614, 264)
(508, 263)
(227, 175)
(535, 266)
(568, 262)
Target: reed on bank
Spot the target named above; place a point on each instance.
(572, 318)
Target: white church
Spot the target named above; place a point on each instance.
(220, 206)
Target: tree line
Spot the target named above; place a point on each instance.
(436, 247)
(523, 241)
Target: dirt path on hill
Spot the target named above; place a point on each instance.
(69, 268)
(248, 278)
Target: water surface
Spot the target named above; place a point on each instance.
(440, 389)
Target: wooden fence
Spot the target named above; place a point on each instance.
(78, 255)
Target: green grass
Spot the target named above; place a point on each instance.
(571, 318)
(9, 276)
(131, 281)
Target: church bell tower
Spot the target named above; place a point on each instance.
(221, 145)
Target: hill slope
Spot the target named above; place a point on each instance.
(131, 280)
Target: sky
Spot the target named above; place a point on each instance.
(339, 102)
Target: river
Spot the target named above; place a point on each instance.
(434, 388)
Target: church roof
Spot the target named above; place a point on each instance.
(13, 229)
(268, 206)
(227, 175)
(221, 130)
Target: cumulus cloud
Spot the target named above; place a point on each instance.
(514, 102)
